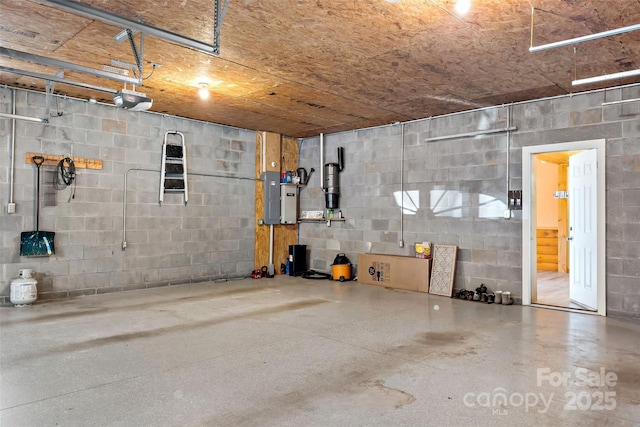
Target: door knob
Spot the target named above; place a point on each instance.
(570, 238)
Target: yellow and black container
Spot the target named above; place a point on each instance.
(341, 268)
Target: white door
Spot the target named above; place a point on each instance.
(583, 226)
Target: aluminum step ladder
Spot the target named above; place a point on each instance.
(173, 175)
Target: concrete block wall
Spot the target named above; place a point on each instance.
(462, 188)
(210, 238)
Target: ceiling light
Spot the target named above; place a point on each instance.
(463, 7)
(203, 93)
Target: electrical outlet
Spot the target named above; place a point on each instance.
(507, 214)
(11, 208)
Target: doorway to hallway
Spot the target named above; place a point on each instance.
(563, 226)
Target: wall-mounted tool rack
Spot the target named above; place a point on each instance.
(53, 160)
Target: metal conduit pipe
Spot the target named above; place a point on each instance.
(124, 194)
(401, 243)
(508, 155)
(12, 152)
(322, 161)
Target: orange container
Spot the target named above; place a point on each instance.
(341, 272)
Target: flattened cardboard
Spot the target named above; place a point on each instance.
(394, 271)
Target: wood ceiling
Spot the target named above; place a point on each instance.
(306, 67)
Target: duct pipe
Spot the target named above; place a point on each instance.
(401, 243)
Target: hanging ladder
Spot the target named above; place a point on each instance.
(173, 175)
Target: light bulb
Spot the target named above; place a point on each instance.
(204, 91)
(463, 6)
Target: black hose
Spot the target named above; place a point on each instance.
(315, 275)
(65, 176)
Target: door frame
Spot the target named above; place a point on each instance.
(529, 270)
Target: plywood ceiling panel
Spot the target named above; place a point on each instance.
(300, 67)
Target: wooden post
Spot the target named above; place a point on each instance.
(281, 154)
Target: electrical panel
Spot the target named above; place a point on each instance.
(288, 204)
(271, 197)
(515, 200)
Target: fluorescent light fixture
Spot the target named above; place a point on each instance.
(203, 92)
(605, 77)
(463, 6)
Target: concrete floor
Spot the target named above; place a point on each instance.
(289, 351)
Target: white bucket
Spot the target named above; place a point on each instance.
(506, 298)
(24, 290)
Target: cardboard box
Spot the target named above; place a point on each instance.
(394, 271)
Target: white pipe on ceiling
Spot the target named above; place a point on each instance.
(586, 38)
(605, 77)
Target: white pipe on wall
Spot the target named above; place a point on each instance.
(13, 145)
(322, 161)
(25, 118)
(401, 242)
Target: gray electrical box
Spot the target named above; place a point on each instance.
(288, 204)
(271, 197)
